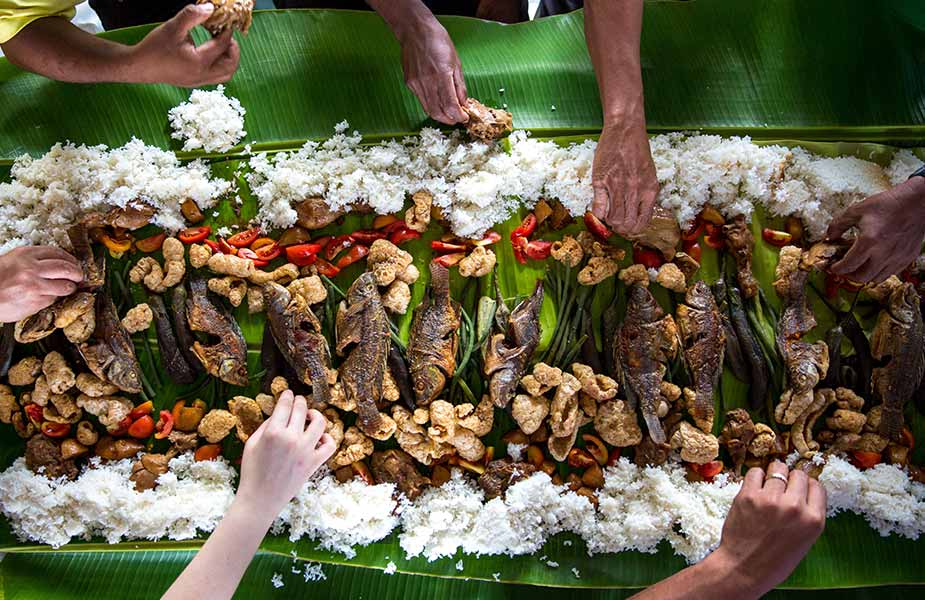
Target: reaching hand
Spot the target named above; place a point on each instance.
(434, 73)
(771, 526)
(892, 229)
(282, 454)
(33, 278)
(168, 54)
(625, 186)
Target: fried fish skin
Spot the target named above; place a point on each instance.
(227, 358)
(434, 338)
(510, 352)
(704, 343)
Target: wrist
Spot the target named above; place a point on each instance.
(255, 509)
(729, 576)
(415, 25)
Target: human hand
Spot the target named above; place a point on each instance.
(892, 229)
(770, 528)
(168, 54)
(434, 73)
(282, 454)
(623, 177)
(33, 278)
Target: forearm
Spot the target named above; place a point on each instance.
(612, 31)
(57, 49)
(405, 17)
(715, 577)
(216, 570)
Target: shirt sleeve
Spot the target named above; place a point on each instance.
(16, 14)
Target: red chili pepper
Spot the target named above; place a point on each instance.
(402, 235)
(439, 246)
(302, 255)
(142, 427)
(526, 227)
(694, 232)
(538, 249)
(213, 245)
(243, 239)
(775, 237)
(323, 241)
(268, 252)
(450, 260)
(164, 425)
(145, 408)
(692, 249)
(865, 460)
(252, 256)
(194, 235)
(152, 243)
(650, 259)
(519, 246)
(337, 245)
(353, 255)
(34, 412)
(325, 268)
(597, 227)
(225, 248)
(55, 430)
(368, 236)
(491, 237)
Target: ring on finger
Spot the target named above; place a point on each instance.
(779, 476)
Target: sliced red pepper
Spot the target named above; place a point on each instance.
(122, 428)
(252, 256)
(116, 247)
(303, 255)
(261, 242)
(323, 241)
(538, 249)
(715, 241)
(395, 226)
(225, 248)
(368, 236)
(711, 229)
(692, 249)
(775, 237)
(402, 235)
(383, 221)
(152, 243)
(450, 260)
(142, 427)
(597, 227)
(194, 235)
(709, 470)
(439, 246)
(694, 232)
(337, 245)
(213, 245)
(865, 460)
(55, 430)
(526, 227)
(353, 255)
(491, 237)
(243, 239)
(650, 259)
(325, 268)
(519, 246)
(207, 452)
(145, 408)
(34, 412)
(267, 252)
(164, 425)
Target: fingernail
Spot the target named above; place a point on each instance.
(207, 8)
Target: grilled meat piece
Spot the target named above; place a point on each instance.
(314, 213)
(397, 466)
(646, 340)
(509, 353)
(172, 358)
(434, 338)
(486, 124)
(297, 332)
(227, 357)
(363, 336)
(741, 243)
(704, 343)
(898, 340)
(184, 334)
(43, 452)
(662, 233)
(94, 268)
(132, 216)
(651, 454)
(109, 352)
(501, 474)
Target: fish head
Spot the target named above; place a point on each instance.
(233, 372)
(364, 287)
(429, 382)
(123, 373)
(641, 306)
(699, 296)
(276, 297)
(904, 304)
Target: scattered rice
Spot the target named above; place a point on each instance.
(209, 120)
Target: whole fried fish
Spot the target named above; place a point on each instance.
(898, 340)
(741, 243)
(109, 352)
(227, 357)
(704, 342)
(185, 337)
(509, 353)
(297, 333)
(646, 340)
(363, 336)
(434, 338)
(172, 358)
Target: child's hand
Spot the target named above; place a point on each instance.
(282, 454)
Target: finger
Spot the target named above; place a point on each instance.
(326, 447)
(816, 497)
(865, 272)
(842, 223)
(55, 287)
(449, 100)
(55, 268)
(41, 302)
(601, 204)
(254, 438)
(796, 486)
(211, 51)
(885, 273)
(190, 16)
(856, 256)
(50, 252)
(754, 479)
(299, 413)
(460, 85)
(225, 66)
(773, 484)
(646, 210)
(282, 410)
(315, 429)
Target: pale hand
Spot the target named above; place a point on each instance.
(168, 54)
(282, 454)
(433, 72)
(33, 278)
(623, 177)
(892, 229)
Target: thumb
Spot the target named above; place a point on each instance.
(211, 50)
(842, 223)
(601, 204)
(189, 17)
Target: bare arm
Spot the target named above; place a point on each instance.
(55, 48)
(625, 186)
(34, 277)
(429, 60)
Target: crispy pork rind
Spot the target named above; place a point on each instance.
(25, 371)
(567, 251)
(413, 439)
(61, 408)
(216, 425)
(686, 264)
(670, 277)
(787, 264)
(616, 423)
(442, 421)
(229, 14)
(181, 441)
(249, 416)
(882, 291)
(487, 124)
(311, 289)
(266, 402)
(282, 275)
(599, 387)
(476, 418)
(41, 392)
(764, 441)
(58, 375)
(199, 255)
(355, 446)
(86, 434)
(339, 399)
(156, 278)
(559, 446)
(93, 386)
(564, 413)
(543, 379)
(417, 217)
(387, 428)
(255, 303)
(635, 275)
(138, 318)
(529, 412)
(226, 264)
(8, 404)
(110, 410)
(598, 269)
(334, 427)
(390, 391)
(386, 261)
(696, 446)
(396, 297)
(478, 263)
(233, 288)
(409, 275)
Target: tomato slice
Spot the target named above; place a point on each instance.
(650, 259)
(538, 249)
(207, 452)
(323, 241)
(519, 245)
(164, 425)
(213, 245)
(252, 256)
(693, 249)
(865, 460)
(526, 227)
(55, 430)
(325, 268)
(337, 245)
(268, 252)
(142, 427)
(597, 227)
(775, 237)
(450, 260)
(302, 255)
(709, 470)
(145, 408)
(368, 236)
(194, 235)
(152, 243)
(402, 235)
(694, 232)
(491, 237)
(440, 246)
(383, 221)
(34, 412)
(242, 239)
(226, 248)
(353, 255)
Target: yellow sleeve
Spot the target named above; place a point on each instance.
(16, 14)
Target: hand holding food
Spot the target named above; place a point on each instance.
(892, 228)
(33, 278)
(434, 73)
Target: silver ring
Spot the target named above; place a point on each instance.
(776, 476)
